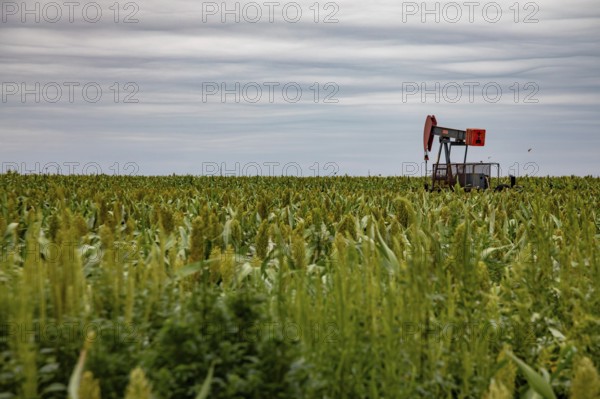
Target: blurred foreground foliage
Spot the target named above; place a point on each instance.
(257, 287)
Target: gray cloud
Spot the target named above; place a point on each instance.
(547, 73)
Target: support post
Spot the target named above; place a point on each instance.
(434, 169)
(448, 168)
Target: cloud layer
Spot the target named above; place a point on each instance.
(348, 84)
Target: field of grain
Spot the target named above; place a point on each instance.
(258, 287)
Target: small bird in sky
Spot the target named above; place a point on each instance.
(529, 150)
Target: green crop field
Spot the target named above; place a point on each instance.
(264, 287)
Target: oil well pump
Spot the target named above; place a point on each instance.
(448, 174)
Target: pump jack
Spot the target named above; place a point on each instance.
(448, 174)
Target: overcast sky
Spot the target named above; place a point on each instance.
(161, 87)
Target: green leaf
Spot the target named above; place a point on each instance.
(10, 229)
(75, 379)
(565, 359)
(193, 268)
(556, 334)
(535, 380)
(531, 394)
(55, 387)
(227, 232)
(205, 390)
(49, 368)
(489, 251)
(244, 271)
(390, 260)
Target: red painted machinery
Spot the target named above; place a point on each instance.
(448, 174)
